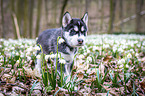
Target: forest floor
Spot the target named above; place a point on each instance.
(106, 65)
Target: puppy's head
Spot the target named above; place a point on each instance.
(75, 30)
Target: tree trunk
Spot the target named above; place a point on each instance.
(12, 12)
(102, 14)
(16, 25)
(121, 14)
(25, 28)
(55, 12)
(2, 16)
(46, 11)
(139, 5)
(31, 18)
(39, 4)
(86, 5)
(112, 16)
(19, 12)
(62, 11)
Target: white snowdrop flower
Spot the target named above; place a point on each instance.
(121, 66)
(1, 56)
(12, 48)
(53, 55)
(129, 56)
(62, 61)
(122, 61)
(13, 52)
(132, 45)
(138, 45)
(28, 53)
(22, 54)
(38, 56)
(46, 57)
(22, 46)
(120, 49)
(37, 48)
(95, 48)
(28, 58)
(136, 42)
(60, 41)
(18, 61)
(0, 46)
(81, 56)
(127, 66)
(17, 53)
(136, 54)
(1, 40)
(85, 53)
(30, 49)
(34, 52)
(89, 59)
(126, 52)
(26, 45)
(106, 46)
(83, 47)
(131, 50)
(6, 49)
(114, 49)
(88, 51)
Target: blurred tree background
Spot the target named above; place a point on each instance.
(27, 18)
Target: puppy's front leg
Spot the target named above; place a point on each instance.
(38, 65)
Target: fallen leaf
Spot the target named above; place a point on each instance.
(111, 90)
(13, 80)
(29, 72)
(1, 94)
(102, 94)
(36, 72)
(18, 90)
(80, 76)
(143, 84)
(107, 58)
(141, 59)
(6, 77)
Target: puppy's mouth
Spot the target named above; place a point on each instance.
(80, 45)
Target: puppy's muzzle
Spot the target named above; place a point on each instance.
(80, 41)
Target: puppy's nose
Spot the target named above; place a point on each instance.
(80, 41)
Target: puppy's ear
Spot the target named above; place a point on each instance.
(85, 18)
(66, 19)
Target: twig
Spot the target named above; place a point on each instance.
(128, 19)
(16, 25)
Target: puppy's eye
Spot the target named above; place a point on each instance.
(76, 28)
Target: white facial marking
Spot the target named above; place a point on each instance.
(82, 29)
(73, 40)
(76, 28)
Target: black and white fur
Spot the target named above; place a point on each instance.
(73, 31)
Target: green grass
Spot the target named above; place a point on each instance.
(107, 64)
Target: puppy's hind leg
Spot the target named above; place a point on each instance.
(38, 65)
(68, 70)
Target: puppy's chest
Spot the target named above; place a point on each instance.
(70, 56)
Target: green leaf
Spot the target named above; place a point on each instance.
(33, 86)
